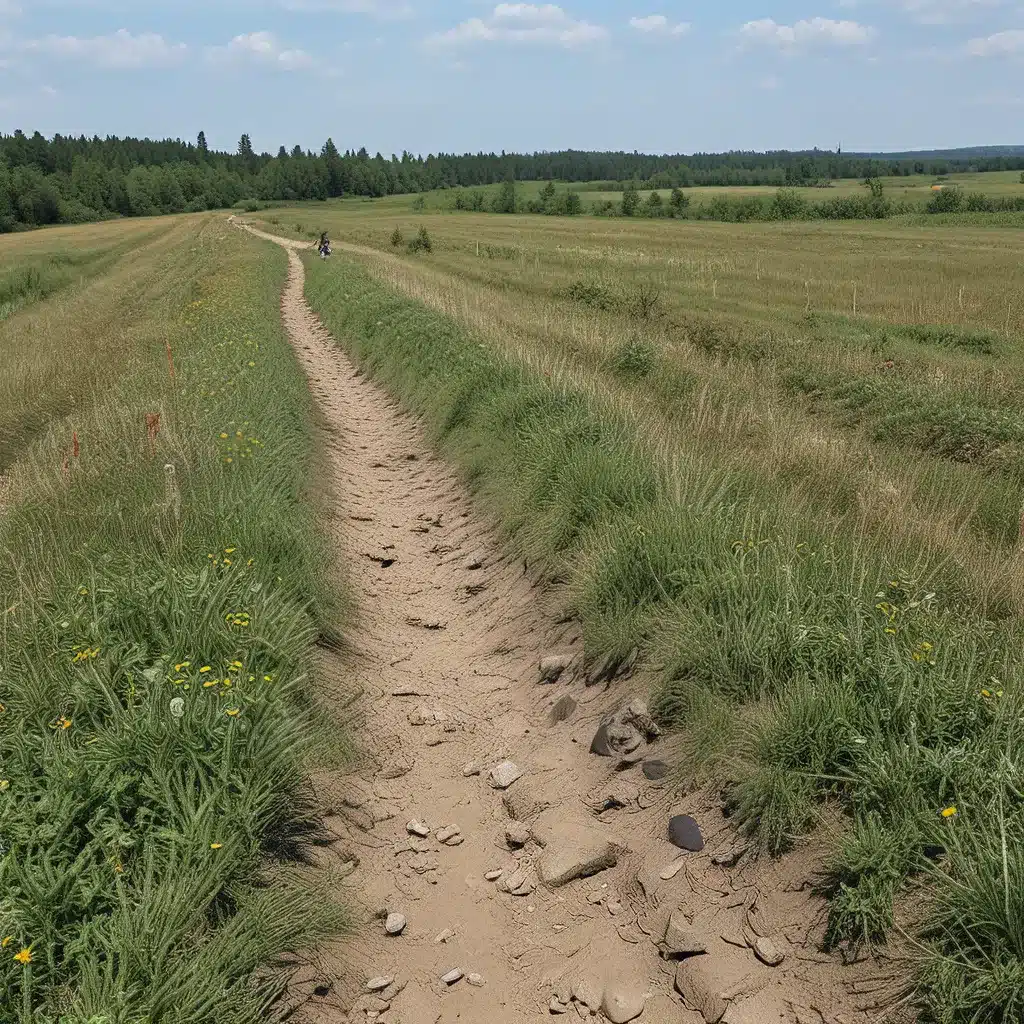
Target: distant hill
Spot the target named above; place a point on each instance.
(959, 155)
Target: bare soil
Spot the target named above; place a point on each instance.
(444, 653)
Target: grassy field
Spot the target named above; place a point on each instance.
(807, 514)
(916, 189)
(161, 586)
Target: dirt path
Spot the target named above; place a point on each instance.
(445, 650)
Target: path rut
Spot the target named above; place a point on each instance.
(444, 651)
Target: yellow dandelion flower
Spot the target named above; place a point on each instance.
(235, 664)
(230, 551)
(949, 812)
(6, 941)
(229, 460)
(205, 668)
(24, 957)
(985, 693)
(119, 868)
(209, 683)
(223, 437)
(5, 784)
(182, 665)
(238, 433)
(232, 712)
(216, 846)
(83, 591)
(268, 679)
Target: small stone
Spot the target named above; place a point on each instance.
(673, 869)
(445, 935)
(503, 775)
(395, 924)
(476, 980)
(595, 899)
(452, 976)
(427, 716)
(517, 834)
(471, 769)
(767, 952)
(446, 833)
(378, 984)
(493, 876)
(623, 1002)
(556, 1007)
(614, 907)
(563, 710)
(456, 840)
(700, 985)
(417, 828)
(552, 667)
(599, 744)
(575, 855)
(728, 858)
(684, 832)
(655, 771)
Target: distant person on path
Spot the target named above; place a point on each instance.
(325, 245)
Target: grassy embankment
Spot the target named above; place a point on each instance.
(810, 518)
(155, 628)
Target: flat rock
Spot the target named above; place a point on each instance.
(625, 731)
(471, 769)
(517, 834)
(623, 1001)
(446, 833)
(575, 851)
(552, 667)
(599, 744)
(698, 983)
(445, 935)
(452, 976)
(503, 775)
(476, 980)
(564, 709)
(427, 716)
(379, 983)
(681, 938)
(767, 952)
(395, 924)
(417, 828)
(655, 771)
(493, 876)
(684, 832)
(526, 800)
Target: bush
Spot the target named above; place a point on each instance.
(644, 302)
(678, 201)
(946, 200)
(397, 238)
(630, 201)
(422, 242)
(633, 359)
(597, 296)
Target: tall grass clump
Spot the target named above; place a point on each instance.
(810, 662)
(161, 579)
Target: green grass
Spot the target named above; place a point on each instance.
(811, 660)
(155, 641)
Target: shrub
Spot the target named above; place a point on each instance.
(422, 242)
(644, 302)
(397, 238)
(633, 359)
(590, 294)
(630, 201)
(946, 200)
(678, 201)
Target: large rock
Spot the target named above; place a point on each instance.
(552, 667)
(503, 775)
(625, 732)
(684, 832)
(681, 938)
(574, 851)
(623, 1001)
(701, 987)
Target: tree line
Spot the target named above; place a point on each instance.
(70, 180)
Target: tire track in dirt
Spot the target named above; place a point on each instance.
(449, 632)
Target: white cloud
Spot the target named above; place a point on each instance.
(120, 50)
(1000, 44)
(263, 48)
(805, 34)
(658, 24)
(943, 12)
(545, 24)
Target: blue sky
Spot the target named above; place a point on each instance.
(468, 75)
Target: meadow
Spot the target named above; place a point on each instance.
(162, 584)
(784, 462)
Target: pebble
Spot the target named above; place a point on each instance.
(476, 980)
(614, 907)
(445, 935)
(556, 1007)
(456, 840)
(471, 769)
(379, 984)
(623, 1002)
(768, 953)
(493, 876)
(563, 710)
(504, 774)
(672, 870)
(684, 832)
(654, 770)
(552, 667)
(444, 834)
(417, 828)
(395, 924)
(452, 976)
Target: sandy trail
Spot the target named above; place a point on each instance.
(449, 632)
